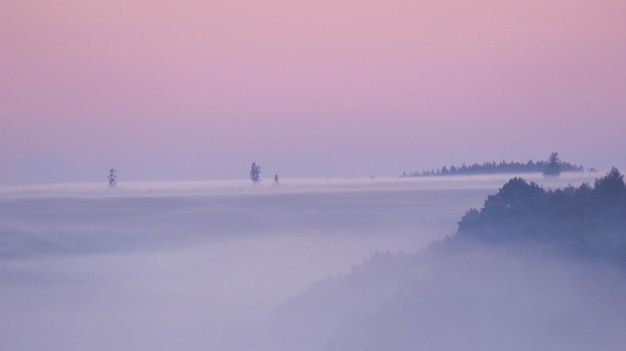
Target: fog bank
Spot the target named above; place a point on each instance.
(237, 267)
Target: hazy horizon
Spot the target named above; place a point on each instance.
(243, 185)
(244, 178)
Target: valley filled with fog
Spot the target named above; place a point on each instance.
(300, 265)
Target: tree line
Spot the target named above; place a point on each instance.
(552, 166)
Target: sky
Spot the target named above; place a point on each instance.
(193, 90)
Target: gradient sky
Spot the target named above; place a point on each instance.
(188, 89)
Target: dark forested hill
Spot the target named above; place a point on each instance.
(533, 269)
(588, 221)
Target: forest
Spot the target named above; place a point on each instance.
(533, 269)
(552, 166)
(584, 221)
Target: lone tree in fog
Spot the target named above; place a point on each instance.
(255, 173)
(112, 177)
(553, 167)
(276, 178)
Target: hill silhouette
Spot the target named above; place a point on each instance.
(585, 221)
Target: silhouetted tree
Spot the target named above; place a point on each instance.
(553, 167)
(112, 177)
(255, 173)
(276, 178)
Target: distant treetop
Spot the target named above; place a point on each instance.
(554, 165)
(255, 173)
(112, 177)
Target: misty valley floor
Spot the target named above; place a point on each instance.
(161, 269)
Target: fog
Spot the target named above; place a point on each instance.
(477, 299)
(337, 264)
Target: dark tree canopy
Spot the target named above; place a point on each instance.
(584, 220)
(611, 185)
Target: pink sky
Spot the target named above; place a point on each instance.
(199, 89)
